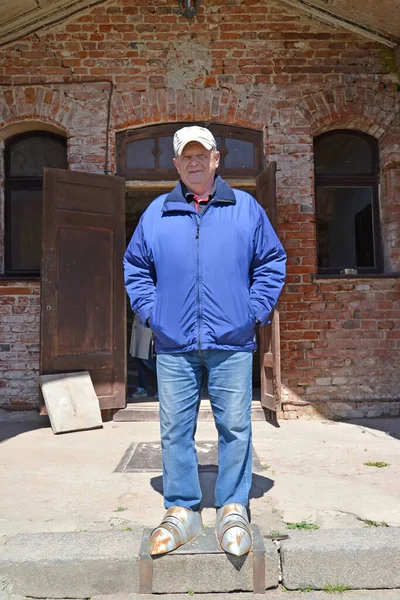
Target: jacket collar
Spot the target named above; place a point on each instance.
(176, 199)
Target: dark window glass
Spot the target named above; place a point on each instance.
(29, 155)
(147, 153)
(240, 154)
(346, 196)
(344, 228)
(166, 153)
(26, 229)
(140, 154)
(25, 157)
(342, 153)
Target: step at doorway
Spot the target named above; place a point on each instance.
(147, 409)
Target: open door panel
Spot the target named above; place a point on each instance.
(82, 292)
(270, 362)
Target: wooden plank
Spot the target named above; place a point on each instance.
(145, 565)
(269, 343)
(276, 353)
(266, 192)
(268, 360)
(259, 568)
(166, 186)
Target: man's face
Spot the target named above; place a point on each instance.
(196, 167)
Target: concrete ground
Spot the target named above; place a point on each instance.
(269, 595)
(313, 471)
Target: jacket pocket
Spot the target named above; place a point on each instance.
(152, 315)
(251, 310)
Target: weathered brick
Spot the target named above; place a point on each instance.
(265, 68)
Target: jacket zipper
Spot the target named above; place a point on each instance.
(198, 281)
(198, 221)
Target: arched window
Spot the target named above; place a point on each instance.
(147, 153)
(347, 208)
(25, 157)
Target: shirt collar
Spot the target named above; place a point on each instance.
(190, 195)
(176, 201)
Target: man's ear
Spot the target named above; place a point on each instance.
(217, 156)
(175, 164)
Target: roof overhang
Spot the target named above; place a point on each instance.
(334, 13)
(22, 17)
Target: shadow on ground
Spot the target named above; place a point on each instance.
(389, 426)
(260, 486)
(10, 429)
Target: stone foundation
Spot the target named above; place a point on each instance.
(340, 409)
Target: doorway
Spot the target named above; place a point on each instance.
(136, 202)
(144, 159)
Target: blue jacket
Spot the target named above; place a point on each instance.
(204, 281)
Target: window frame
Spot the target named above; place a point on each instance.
(156, 131)
(351, 180)
(12, 183)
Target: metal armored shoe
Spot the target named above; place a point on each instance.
(179, 526)
(233, 529)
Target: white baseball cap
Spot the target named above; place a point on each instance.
(193, 134)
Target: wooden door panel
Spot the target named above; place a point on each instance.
(78, 197)
(76, 219)
(103, 381)
(86, 311)
(63, 364)
(270, 365)
(83, 296)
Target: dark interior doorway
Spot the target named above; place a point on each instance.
(136, 203)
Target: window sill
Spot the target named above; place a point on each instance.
(13, 278)
(357, 276)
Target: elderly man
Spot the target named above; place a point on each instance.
(204, 266)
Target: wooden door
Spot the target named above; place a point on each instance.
(83, 312)
(270, 354)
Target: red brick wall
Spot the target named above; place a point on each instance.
(251, 63)
(19, 344)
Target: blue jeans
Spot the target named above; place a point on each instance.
(180, 377)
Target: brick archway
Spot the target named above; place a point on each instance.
(28, 105)
(154, 106)
(76, 109)
(350, 107)
(158, 105)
